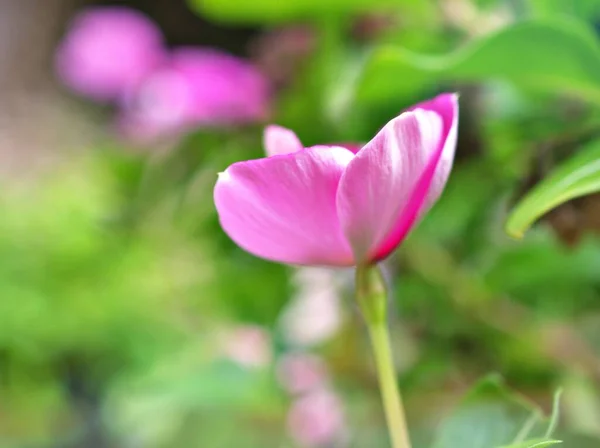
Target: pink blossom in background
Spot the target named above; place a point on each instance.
(159, 107)
(117, 54)
(325, 205)
(247, 345)
(197, 87)
(108, 50)
(226, 89)
(317, 420)
(314, 314)
(300, 373)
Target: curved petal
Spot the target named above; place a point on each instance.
(432, 180)
(446, 105)
(377, 185)
(279, 140)
(282, 208)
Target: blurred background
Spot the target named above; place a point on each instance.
(128, 318)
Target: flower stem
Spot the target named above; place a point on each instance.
(372, 298)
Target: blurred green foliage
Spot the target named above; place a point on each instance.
(492, 416)
(524, 53)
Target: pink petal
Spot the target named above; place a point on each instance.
(385, 185)
(279, 140)
(447, 106)
(432, 181)
(282, 208)
(354, 147)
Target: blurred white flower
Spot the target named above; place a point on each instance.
(314, 314)
(248, 345)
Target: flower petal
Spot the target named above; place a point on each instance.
(446, 105)
(282, 208)
(378, 184)
(354, 147)
(279, 140)
(431, 182)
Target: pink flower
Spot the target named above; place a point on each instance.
(159, 107)
(107, 50)
(225, 89)
(317, 419)
(300, 373)
(197, 87)
(326, 205)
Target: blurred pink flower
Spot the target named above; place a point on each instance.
(325, 205)
(108, 50)
(248, 345)
(317, 420)
(196, 87)
(300, 373)
(159, 107)
(314, 314)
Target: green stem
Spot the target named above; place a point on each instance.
(372, 298)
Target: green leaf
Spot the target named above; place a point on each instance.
(577, 440)
(555, 56)
(581, 9)
(274, 11)
(577, 177)
(553, 423)
(534, 443)
(492, 416)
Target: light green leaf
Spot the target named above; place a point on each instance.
(577, 177)
(553, 423)
(556, 56)
(492, 416)
(535, 443)
(578, 440)
(274, 11)
(582, 9)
